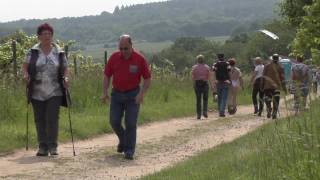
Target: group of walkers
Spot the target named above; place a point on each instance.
(47, 76)
(267, 80)
(225, 80)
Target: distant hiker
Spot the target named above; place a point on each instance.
(200, 77)
(236, 84)
(301, 77)
(126, 67)
(257, 81)
(273, 80)
(318, 79)
(46, 72)
(314, 79)
(221, 72)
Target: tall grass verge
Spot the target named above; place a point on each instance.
(286, 149)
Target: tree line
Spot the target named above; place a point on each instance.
(156, 21)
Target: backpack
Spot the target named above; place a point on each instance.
(301, 72)
(222, 69)
(66, 99)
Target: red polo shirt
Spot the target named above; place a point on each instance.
(126, 73)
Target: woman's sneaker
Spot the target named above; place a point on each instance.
(42, 152)
(128, 156)
(53, 152)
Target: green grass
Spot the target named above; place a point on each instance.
(288, 149)
(97, 50)
(218, 38)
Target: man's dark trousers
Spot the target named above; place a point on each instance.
(201, 89)
(257, 89)
(124, 104)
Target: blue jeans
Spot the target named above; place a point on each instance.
(123, 104)
(222, 91)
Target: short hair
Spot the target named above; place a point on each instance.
(126, 36)
(300, 58)
(232, 61)
(220, 56)
(44, 27)
(258, 60)
(200, 58)
(275, 57)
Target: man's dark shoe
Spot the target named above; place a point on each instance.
(268, 115)
(255, 110)
(53, 152)
(120, 149)
(128, 156)
(42, 152)
(259, 114)
(205, 115)
(222, 115)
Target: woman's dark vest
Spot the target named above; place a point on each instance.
(32, 74)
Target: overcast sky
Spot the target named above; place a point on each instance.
(41, 9)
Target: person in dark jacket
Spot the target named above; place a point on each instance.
(44, 70)
(273, 80)
(221, 72)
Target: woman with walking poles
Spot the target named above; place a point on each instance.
(46, 73)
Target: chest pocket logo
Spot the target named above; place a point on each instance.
(133, 69)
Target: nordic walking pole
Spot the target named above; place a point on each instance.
(27, 122)
(68, 100)
(70, 123)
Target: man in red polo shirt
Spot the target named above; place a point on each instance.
(126, 67)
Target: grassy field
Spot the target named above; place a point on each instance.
(218, 38)
(97, 50)
(288, 149)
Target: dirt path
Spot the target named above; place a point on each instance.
(159, 145)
